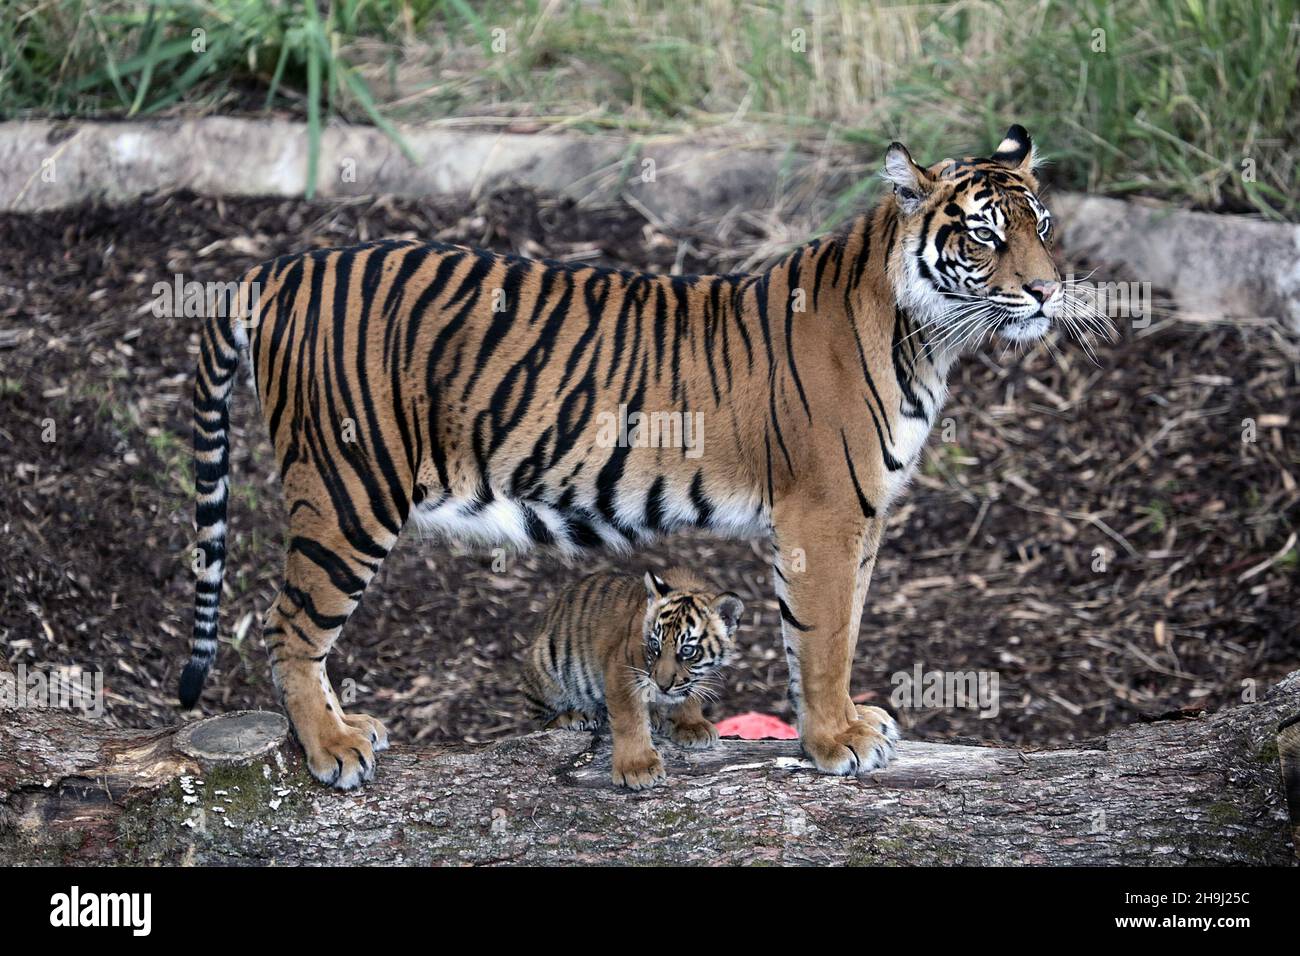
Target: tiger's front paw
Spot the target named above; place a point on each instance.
(640, 771)
(863, 745)
(881, 721)
(341, 755)
(693, 735)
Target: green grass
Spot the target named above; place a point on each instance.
(1158, 511)
(1193, 100)
(177, 458)
(132, 58)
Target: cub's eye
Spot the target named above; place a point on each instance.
(1044, 229)
(654, 645)
(690, 653)
(985, 235)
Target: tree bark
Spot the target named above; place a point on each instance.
(1201, 790)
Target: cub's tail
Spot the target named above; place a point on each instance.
(220, 342)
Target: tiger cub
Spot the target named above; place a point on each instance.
(641, 656)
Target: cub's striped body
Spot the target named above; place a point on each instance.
(470, 393)
(642, 655)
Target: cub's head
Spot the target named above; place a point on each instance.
(689, 634)
(973, 255)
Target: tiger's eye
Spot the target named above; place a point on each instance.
(985, 235)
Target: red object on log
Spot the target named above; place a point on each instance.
(754, 726)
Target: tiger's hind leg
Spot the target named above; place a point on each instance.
(326, 571)
(550, 703)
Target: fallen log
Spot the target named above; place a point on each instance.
(232, 790)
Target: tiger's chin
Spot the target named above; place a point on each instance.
(1029, 329)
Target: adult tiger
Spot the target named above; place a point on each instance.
(464, 391)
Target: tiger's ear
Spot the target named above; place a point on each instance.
(912, 184)
(729, 608)
(656, 588)
(1016, 151)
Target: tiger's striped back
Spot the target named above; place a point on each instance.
(473, 389)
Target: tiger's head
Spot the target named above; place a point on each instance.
(689, 634)
(974, 244)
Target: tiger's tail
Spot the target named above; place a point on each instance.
(222, 339)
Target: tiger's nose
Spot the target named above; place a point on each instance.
(1042, 290)
(665, 687)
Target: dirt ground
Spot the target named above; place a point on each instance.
(1109, 538)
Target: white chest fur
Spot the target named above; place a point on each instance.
(910, 435)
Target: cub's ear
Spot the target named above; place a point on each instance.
(1016, 151)
(912, 184)
(656, 588)
(729, 608)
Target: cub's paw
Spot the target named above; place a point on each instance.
(340, 756)
(370, 726)
(573, 720)
(859, 748)
(640, 771)
(879, 720)
(695, 735)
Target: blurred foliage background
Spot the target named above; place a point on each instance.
(1197, 101)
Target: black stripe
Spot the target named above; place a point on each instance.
(660, 328)
(789, 331)
(701, 501)
(612, 471)
(654, 505)
(738, 291)
(340, 575)
(788, 616)
(501, 322)
(822, 261)
(909, 404)
(426, 298)
(868, 511)
(536, 528)
(325, 622)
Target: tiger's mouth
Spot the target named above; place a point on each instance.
(678, 693)
(972, 317)
(1027, 328)
(675, 694)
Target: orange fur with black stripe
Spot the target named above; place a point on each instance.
(471, 394)
(641, 654)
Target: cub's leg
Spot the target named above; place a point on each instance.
(686, 726)
(636, 762)
(326, 571)
(822, 598)
(551, 704)
(542, 692)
